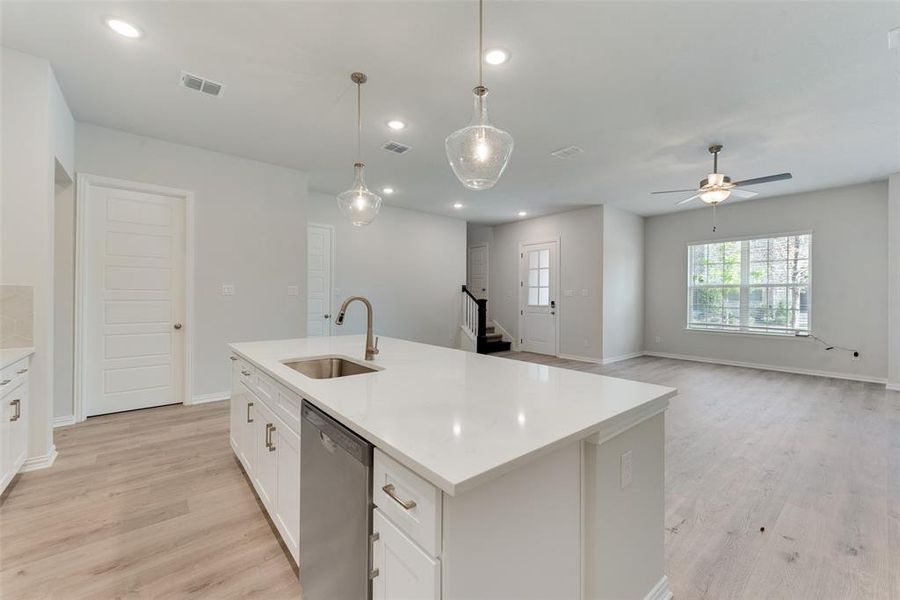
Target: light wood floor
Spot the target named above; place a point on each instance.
(151, 504)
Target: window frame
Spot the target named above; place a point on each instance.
(740, 331)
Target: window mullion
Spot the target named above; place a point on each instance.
(745, 284)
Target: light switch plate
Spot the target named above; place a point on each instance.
(293, 290)
(569, 293)
(585, 292)
(228, 289)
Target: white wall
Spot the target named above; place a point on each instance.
(849, 283)
(36, 132)
(623, 284)
(581, 268)
(410, 264)
(249, 230)
(894, 282)
(64, 296)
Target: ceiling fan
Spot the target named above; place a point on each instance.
(716, 188)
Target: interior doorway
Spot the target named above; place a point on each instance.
(477, 270)
(319, 278)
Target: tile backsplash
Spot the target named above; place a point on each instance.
(16, 316)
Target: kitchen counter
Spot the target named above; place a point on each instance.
(459, 419)
(9, 356)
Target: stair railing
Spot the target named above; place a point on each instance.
(474, 319)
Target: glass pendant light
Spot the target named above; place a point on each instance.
(479, 152)
(359, 204)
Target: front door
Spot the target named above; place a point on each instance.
(133, 273)
(319, 248)
(539, 290)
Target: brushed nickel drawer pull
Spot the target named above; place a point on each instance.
(245, 373)
(391, 491)
(249, 404)
(269, 444)
(21, 371)
(233, 357)
(5, 381)
(18, 404)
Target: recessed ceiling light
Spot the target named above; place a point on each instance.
(496, 56)
(388, 190)
(522, 213)
(457, 205)
(396, 124)
(124, 28)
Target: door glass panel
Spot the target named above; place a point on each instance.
(533, 259)
(545, 259)
(545, 278)
(533, 296)
(544, 299)
(533, 277)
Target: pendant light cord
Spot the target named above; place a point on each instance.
(358, 122)
(480, 43)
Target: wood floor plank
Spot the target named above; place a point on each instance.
(152, 504)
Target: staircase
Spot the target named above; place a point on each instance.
(484, 337)
(494, 341)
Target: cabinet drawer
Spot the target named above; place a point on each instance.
(264, 387)
(411, 503)
(12, 376)
(247, 372)
(288, 407)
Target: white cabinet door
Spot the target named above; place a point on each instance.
(6, 463)
(287, 492)
(247, 437)
(265, 469)
(405, 571)
(17, 405)
(234, 430)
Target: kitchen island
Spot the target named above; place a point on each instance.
(505, 479)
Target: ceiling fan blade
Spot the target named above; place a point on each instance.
(743, 193)
(675, 191)
(686, 200)
(766, 179)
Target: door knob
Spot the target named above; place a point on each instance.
(177, 325)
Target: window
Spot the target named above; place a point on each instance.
(538, 277)
(754, 286)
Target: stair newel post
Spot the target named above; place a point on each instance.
(481, 338)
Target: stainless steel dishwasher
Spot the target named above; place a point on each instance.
(335, 509)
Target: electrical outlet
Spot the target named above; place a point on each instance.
(228, 289)
(293, 290)
(626, 469)
(656, 339)
(585, 292)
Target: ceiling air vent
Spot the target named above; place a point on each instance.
(200, 84)
(396, 147)
(567, 152)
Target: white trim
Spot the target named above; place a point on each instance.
(331, 298)
(749, 365)
(587, 359)
(892, 387)
(750, 334)
(44, 461)
(660, 591)
(556, 268)
(214, 397)
(506, 335)
(63, 421)
(614, 359)
(83, 182)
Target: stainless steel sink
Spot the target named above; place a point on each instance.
(328, 367)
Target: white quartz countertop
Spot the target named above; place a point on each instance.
(458, 418)
(9, 356)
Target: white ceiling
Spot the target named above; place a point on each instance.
(642, 87)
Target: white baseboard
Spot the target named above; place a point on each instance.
(660, 591)
(614, 359)
(748, 365)
(40, 462)
(214, 397)
(63, 421)
(589, 359)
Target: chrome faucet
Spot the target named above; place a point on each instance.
(371, 348)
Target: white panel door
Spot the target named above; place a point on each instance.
(319, 249)
(539, 290)
(477, 271)
(133, 299)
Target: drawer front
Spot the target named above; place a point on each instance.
(247, 372)
(264, 387)
(14, 375)
(288, 407)
(411, 503)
